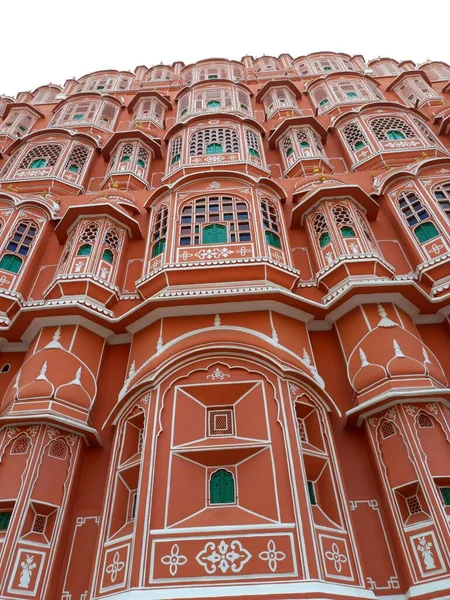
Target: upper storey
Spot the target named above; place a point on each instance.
(214, 68)
(101, 81)
(322, 63)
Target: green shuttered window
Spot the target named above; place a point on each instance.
(221, 487)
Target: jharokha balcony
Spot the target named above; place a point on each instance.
(233, 143)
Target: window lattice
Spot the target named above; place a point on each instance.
(413, 504)
(412, 208)
(200, 140)
(269, 216)
(177, 148)
(20, 446)
(382, 125)
(288, 147)
(108, 113)
(302, 430)
(127, 151)
(160, 224)
(58, 449)
(387, 429)
(142, 156)
(220, 421)
(39, 523)
(112, 239)
(341, 215)
(424, 129)
(367, 231)
(48, 152)
(424, 420)
(252, 140)
(442, 195)
(225, 210)
(89, 232)
(22, 238)
(77, 158)
(354, 136)
(319, 224)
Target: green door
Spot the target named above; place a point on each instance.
(215, 234)
(221, 487)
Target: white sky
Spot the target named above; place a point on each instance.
(53, 40)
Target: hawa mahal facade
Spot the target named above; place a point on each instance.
(224, 314)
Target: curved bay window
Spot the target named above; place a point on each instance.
(130, 157)
(210, 71)
(214, 99)
(65, 161)
(18, 122)
(301, 144)
(18, 246)
(367, 137)
(105, 82)
(149, 110)
(333, 93)
(385, 68)
(159, 232)
(230, 144)
(281, 98)
(340, 230)
(415, 91)
(87, 113)
(214, 220)
(93, 248)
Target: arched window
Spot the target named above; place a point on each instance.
(159, 231)
(213, 104)
(442, 195)
(230, 214)
(347, 231)
(214, 148)
(414, 214)
(201, 140)
(221, 488)
(41, 156)
(394, 134)
(108, 256)
(10, 263)
(84, 250)
(214, 234)
(324, 239)
(426, 231)
(269, 215)
(391, 128)
(18, 245)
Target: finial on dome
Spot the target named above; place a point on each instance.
(363, 357)
(398, 350)
(426, 359)
(385, 320)
(42, 375)
(55, 343)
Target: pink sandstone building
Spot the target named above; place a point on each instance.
(224, 314)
